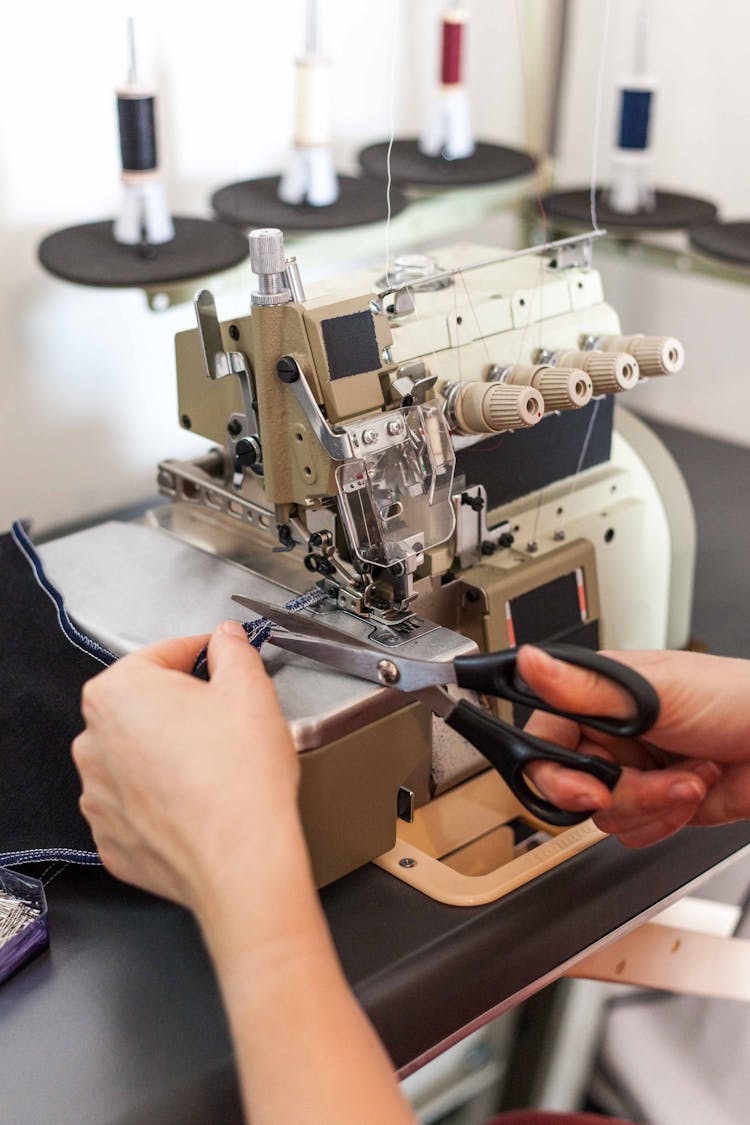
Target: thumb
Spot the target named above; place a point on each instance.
(570, 688)
(232, 658)
(176, 653)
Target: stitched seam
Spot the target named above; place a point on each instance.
(71, 633)
(71, 855)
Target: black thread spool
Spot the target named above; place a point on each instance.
(136, 118)
(143, 220)
(144, 245)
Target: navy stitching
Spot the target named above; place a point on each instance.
(259, 630)
(39, 855)
(71, 631)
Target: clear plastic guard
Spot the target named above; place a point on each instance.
(395, 498)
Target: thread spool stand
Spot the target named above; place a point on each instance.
(310, 195)
(89, 255)
(671, 211)
(446, 154)
(489, 163)
(143, 245)
(727, 242)
(256, 203)
(631, 203)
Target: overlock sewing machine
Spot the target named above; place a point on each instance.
(434, 451)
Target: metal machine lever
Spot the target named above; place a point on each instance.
(337, 445)
(217, 362)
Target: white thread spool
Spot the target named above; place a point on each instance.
(310, 176)
(312, 110)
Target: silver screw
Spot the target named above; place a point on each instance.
(532, 546)
(369, 437)
(388, 673)
(394, 427)
(559, 535)
(407, 862)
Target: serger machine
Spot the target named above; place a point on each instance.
(434, 450)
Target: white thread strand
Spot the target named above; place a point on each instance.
(392, 130)
(480, 334)
(459, 345)
(537, 182)
(598, 113)
(584, 447)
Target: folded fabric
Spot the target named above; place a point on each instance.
(259, 630)
(44, 661)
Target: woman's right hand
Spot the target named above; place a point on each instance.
(693, 766)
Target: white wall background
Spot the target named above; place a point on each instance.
(87, 398)
(697, 51)
(698, 55)
(87, 395)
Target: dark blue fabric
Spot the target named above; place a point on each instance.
(44, 661)
(69, 628)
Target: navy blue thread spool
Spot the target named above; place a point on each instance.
(635, 118)
(631, 187)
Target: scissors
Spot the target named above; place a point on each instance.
(505, 747)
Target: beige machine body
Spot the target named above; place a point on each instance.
(436, 452)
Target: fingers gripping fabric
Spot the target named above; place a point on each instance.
(259, 631)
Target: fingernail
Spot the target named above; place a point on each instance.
(552, 666)
(585, 801)
(709, 772)
(685, 791)
(233, 628)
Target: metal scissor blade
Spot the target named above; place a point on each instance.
(295, 621)
(366, 663)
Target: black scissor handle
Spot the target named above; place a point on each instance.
(494, 673)
(510, 751)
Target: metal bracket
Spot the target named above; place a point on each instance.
(337, 445)
(474, 539)
(219, 363)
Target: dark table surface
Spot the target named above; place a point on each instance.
(121, 1021)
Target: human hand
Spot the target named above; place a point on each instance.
(179, 776)
(190, 789)
(692, 767)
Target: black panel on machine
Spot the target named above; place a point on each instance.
(512, 465)
(586, 635)
(351, 344)
(547, 611)
(551, 612)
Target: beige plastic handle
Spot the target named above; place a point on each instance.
(459, 850)
(675, 960)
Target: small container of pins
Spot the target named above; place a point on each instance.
(23, 921)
